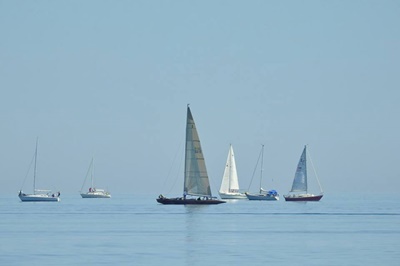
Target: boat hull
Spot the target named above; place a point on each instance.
(232, 195)
(95, 196)
(262, 197)
(182, 201)
(303, 198)
(37, 198)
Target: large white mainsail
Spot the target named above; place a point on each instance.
(230, 181)
(196, 177)
(300, 177)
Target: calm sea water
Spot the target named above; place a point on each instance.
(133, 230)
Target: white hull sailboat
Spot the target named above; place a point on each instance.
(93, 192)
(299, 191)
(230, 183)
(196, 188)
(263, 194)
(97, 193)
(38, 194)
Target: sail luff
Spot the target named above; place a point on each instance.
(225, 183)
(230, 168)
(234, 180)
(187, 153)
(300, 178)
(196, 177)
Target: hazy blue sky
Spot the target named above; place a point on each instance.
(111, 79)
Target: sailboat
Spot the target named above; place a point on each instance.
(38, 194)
(93, 192)
(263, 194)
(299, 191)
(196, 189)
(230, 185)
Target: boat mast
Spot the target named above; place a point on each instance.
(262, 160)
(230, 168)
(34, 171)
(305, 170)
(185, 190)
(92, 173)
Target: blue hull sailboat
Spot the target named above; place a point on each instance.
(263, 194)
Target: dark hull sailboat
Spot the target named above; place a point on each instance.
(191, 201)
(303, 198)
(197, 189)
(299, 191)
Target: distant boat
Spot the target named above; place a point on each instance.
(93, 191)
(230, 184)
(299, 191)
(263, 194)
(196, 189)
(38, 194)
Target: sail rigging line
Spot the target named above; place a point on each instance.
(92, 174)
(178, 151)
(34, 171)
(315, 172)
(254, 171)
(262, 161)
(87, 174)
(29, 170)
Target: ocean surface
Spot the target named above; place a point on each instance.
(136, 230)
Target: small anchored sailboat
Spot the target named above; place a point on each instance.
(230, 184)
(93, 191)
(299, 191)
(263, 194)
(196, 189)
(38, 194)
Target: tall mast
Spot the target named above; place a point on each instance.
(305, 164)
(34, 171)
(185, 189)
(230, 168)
(262, 160)
(92, 173)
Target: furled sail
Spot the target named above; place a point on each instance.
(300, 178)
(196, 178)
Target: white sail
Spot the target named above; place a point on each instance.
(196, 178)
(230, 181)
(300, 178)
